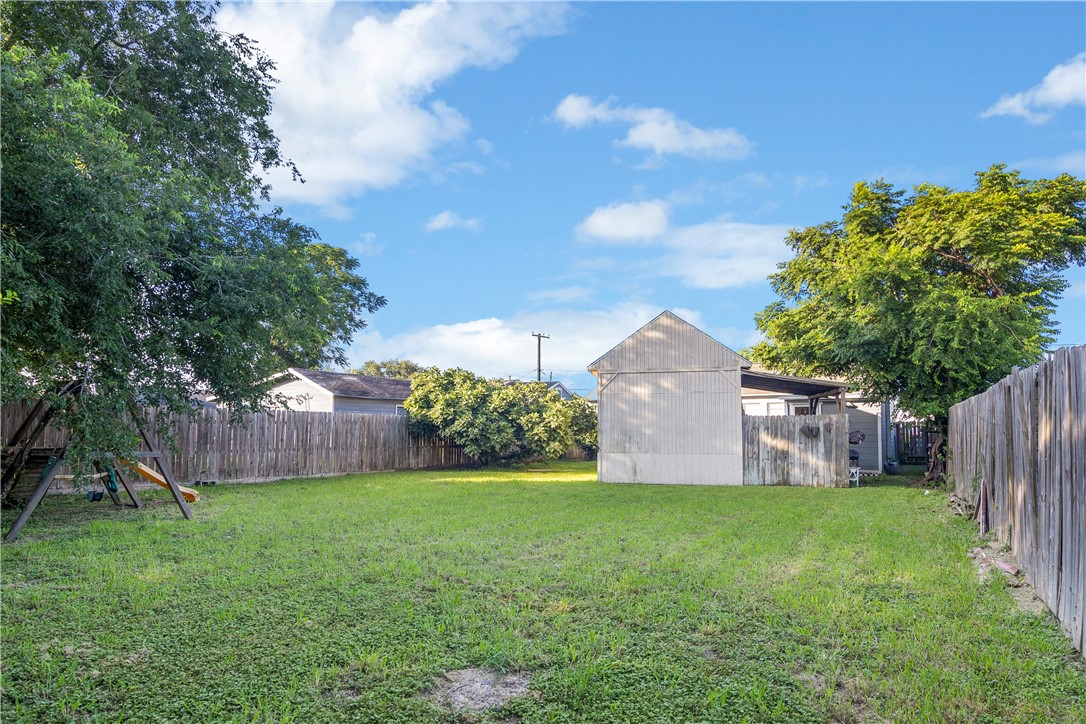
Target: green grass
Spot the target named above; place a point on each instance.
(342, 599)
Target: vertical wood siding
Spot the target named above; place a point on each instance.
(1025, 439)
(808, 450)
(668, 343)
(282, 444)
(671, 427)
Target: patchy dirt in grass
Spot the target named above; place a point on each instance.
(848, 698)
(1027, 600)
(993, 559)
(468, 689)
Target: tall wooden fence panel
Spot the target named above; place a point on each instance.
(807, 450)
(280, 444)
(1023, 443)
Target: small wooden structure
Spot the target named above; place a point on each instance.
(29, 470)
(669, 407)
(670, 411)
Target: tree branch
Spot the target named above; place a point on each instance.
(993, 286)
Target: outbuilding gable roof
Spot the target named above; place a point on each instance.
(343, 384)
(668, 342)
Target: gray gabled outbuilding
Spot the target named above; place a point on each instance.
(670, 407)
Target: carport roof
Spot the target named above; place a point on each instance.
(806, 386)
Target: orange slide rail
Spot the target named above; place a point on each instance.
(151, 474)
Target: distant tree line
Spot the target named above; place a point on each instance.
(400, 369)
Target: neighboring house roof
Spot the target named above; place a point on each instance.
(342, 384)
(561, 389)
(555, 385)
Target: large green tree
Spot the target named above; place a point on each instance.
(400, 369)
(927, 299)
(584, 423)
(137, 252)
(494, 420)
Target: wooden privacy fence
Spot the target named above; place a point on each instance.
(283, 444)
(807, 450)
(1023, 444)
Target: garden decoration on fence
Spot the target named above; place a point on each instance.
(29, 470)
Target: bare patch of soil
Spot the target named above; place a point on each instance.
(475, 688)
(992, 559)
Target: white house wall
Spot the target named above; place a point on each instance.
(865, 418)
(305, 396)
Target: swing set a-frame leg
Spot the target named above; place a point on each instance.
(136, 502)
(107, 468)
(165, 471)
(39, 493)
(28, 433)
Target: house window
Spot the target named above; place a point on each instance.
(803, 410)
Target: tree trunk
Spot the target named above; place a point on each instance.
(936, 460)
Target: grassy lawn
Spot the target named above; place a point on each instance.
(344, 599)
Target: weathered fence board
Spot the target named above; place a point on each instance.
(280, 444)
(810, 450)
(1025, 439)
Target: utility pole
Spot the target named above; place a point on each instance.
(539, 337)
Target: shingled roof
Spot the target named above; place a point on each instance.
(344, 384)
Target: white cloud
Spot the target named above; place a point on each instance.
(1073, 163)
(701, 192)
(367, 245)
(449, 220)
(561, 295)
(655, 129)
(805, 183)
(717, 254)
(1065, 85)
(721, 254)
(624, 222)
(353, 107)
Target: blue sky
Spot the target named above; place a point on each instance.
(503, 169)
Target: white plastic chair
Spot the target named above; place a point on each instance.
(854, 476)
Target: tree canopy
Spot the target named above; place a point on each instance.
(497, 421)
(927, 299)
(136, 251)
(400, 369)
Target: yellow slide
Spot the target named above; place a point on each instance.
(189, 494)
